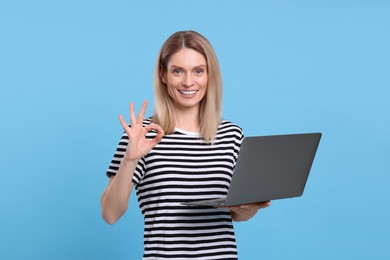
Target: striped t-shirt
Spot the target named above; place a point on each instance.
(182, 168)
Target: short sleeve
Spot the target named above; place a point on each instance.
(231, 135)
(239, 136)
(118, 155)
(117, 158)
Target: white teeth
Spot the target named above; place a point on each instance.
(188, 92)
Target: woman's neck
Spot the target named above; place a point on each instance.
(188, 119)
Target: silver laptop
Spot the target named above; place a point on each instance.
(269, 168)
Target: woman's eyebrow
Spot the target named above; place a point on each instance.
(196, 66)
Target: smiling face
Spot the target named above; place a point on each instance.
(186, 78)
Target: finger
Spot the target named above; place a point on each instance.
(234, 208)
(159, 130)
(265, 204)
(253, 206)
(142, 112)
(123, 122)
(237, 210)
(132, 115)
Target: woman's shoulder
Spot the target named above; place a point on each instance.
(147, 121)
(227, 126)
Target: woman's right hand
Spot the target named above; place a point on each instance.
(139, 145)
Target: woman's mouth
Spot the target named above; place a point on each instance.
(188, 93)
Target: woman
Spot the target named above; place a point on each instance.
(183, 152)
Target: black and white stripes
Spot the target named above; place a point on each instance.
(182, 168)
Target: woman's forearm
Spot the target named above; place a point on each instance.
(115, 198)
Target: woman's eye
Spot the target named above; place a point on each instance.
(199, 71)
(177, 71)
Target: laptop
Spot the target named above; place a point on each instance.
(269, 168)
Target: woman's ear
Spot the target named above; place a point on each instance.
(163, 76)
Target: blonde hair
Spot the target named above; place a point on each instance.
(210, 105)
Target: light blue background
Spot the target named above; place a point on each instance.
(67, 68)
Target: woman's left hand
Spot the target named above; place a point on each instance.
(246, 211)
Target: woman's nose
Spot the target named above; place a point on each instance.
(188, 80)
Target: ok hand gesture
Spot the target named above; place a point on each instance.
(139, 145)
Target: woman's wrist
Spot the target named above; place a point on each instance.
(128, 159)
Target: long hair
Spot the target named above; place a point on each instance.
(210, 105)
